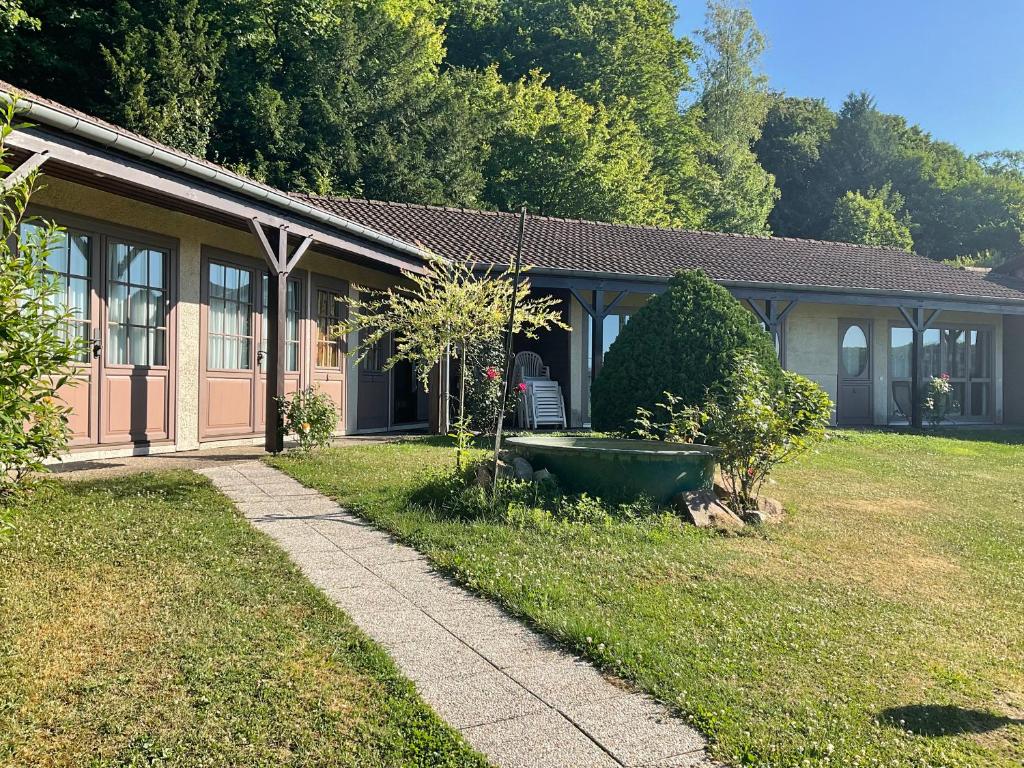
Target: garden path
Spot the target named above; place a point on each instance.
(515, 697)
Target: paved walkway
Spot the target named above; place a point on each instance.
(515, 697)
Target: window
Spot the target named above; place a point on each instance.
(964, 353)
(230, 336)
(69, 259)
(293, 314)
(329, 312)
(137, 305)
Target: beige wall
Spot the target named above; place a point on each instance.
(191, 234)
(812, 347)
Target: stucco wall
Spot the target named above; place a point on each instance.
(191, 234)
(1013, 369)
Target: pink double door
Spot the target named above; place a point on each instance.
(233, 344)
(121, 293)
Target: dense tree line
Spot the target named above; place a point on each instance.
(580, 108)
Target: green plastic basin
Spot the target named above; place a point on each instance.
(615, 468)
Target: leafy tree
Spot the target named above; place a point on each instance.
(36, 350)
(565, 157)
(682, 341)
(871, 219)
(790, 147)
(12, 15)
(621, 57)
(734, 103)
(164, 79)
(446, 311)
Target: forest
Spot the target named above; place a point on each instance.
(590, 109)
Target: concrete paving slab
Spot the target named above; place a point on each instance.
(636, 729)
(515, 696)
(449, 658)
(538, 740)
(478, 699)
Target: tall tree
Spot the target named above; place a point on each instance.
(619, 55)
(734, 105)
(565, 157)
(795, 132)
(164, 77)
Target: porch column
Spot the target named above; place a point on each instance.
(281, 264)
(915, 317)
(597, 337)
(597, 311)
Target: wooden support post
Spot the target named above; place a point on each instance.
(597, 337)
(280, 263)
(917, 369)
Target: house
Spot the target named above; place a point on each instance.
(206, 294)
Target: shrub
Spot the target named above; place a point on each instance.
(484, 380)
(310, 416)
(755, 422)
(937, 401)
(682, 341)
(37, 352)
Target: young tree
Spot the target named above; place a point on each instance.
(442, 314)
(871, 219)
(37, 351)
(734, 104)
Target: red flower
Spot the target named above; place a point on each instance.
(750, 472)
(522, 386)
(491, 374)
(945, 377)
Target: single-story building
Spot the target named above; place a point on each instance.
(206, 294)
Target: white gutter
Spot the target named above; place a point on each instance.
(142, 150)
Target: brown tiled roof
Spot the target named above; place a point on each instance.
(587, 246)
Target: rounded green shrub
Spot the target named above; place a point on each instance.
(683, 341)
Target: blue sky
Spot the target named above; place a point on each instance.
(955, 67)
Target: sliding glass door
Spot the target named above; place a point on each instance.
(964, 353)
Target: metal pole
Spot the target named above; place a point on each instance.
(506, 379)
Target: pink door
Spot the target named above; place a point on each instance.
(135, 360)
(72, 259)
(328, 364)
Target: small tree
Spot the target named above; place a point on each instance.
(443, 314)
(872, 219)
(36, 350)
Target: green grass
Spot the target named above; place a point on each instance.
(143, 622)
(881, 625)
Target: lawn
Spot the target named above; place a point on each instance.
(143, 622)
(881, 625)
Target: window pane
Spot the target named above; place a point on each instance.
(901, 352)
(855, 351)
(157, 345)
(137, 346)
(118, 303)
(293, 356)
(980, 346)
(216, 280)
(137, 270)
(244, 347)
(57, 257)
(78, 297)
(215, 352)
(956, 353)
(137, 306)
(119, 263)
(957, 399)
(79, 255)
(980, 395)
(932, 352)
(156, 309)
(117, 344)
(156, 269)
(243, 279)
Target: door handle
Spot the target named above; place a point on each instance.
(260, 357)
(97, 347)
